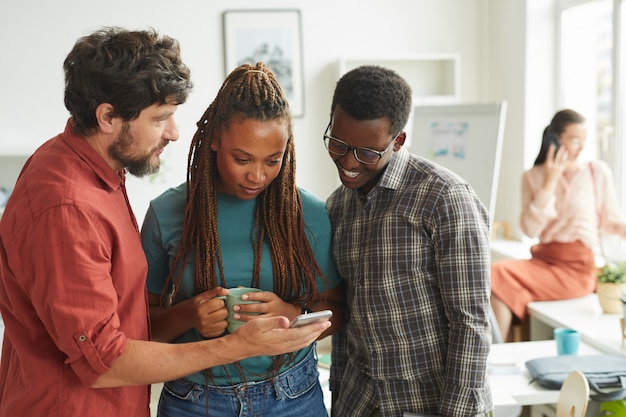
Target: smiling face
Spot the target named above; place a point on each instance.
(372, 134)
(250, 155)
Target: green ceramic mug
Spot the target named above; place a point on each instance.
(234, 298)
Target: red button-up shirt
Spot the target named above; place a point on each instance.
(72, 286)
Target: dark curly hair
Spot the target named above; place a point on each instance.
(372, 92)
(130, 70)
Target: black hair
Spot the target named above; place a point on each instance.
(372, 92)
(130, 70)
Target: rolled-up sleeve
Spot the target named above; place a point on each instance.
(66, 260)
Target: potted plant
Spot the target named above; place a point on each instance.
(611, 287)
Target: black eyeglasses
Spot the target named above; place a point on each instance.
(363, 155)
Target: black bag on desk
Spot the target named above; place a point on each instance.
(606, 374)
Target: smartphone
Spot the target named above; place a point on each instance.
(554, 138)
(304, 319)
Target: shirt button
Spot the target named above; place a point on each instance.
(82, 338)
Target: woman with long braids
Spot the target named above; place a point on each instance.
(240, 220)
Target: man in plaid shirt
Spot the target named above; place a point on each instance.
(411, 239)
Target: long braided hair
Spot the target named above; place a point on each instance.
(249, 92)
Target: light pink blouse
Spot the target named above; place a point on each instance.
(574, 210)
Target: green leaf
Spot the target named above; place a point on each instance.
(612, 272)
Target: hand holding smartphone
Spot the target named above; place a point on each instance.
(554, 139)
(304, 319)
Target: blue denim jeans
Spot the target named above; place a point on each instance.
(293, 393)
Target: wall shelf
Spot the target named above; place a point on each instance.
(434, 79)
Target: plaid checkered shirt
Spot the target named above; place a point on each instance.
(415, 255)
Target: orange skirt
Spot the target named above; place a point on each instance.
(556, 271)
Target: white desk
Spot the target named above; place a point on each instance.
(598, 329)
(509, 379)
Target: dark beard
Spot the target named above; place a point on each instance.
(137, 166)
(141, 168)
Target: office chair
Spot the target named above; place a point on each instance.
(573, 396)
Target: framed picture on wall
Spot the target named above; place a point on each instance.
(271, 36)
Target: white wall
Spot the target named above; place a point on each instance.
(507, 43)
(522, 44)
(487, 34)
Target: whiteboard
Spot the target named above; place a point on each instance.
(466, 139)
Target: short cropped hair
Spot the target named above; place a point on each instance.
(372, 92)
(130, 70)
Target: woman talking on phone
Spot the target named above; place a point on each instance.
(565, 204)
(240, 220)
